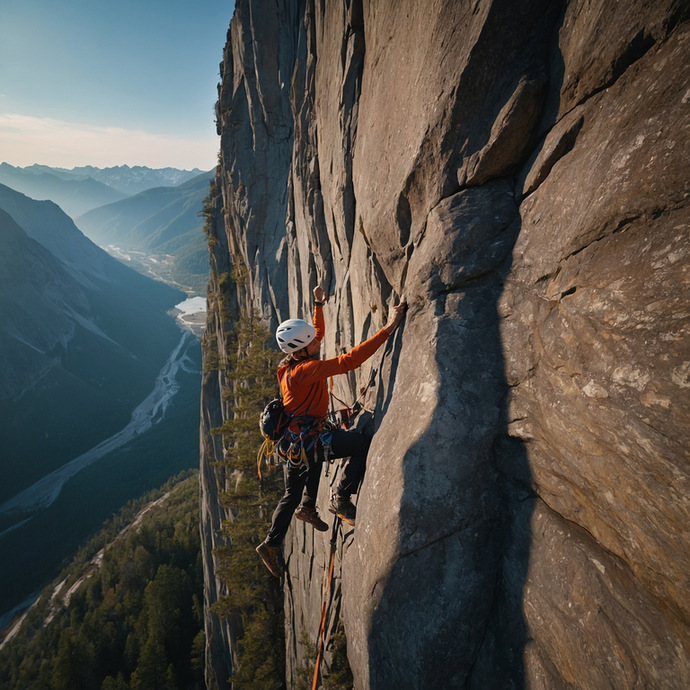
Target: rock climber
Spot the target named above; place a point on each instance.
(302, 377)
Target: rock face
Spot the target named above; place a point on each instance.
(519, 173)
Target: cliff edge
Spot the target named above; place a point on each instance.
(519, 173)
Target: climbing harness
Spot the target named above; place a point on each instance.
(326, 601)
(300, 439)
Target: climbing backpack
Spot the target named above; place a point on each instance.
(274, 420)
(273, 423)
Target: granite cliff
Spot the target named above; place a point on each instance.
(519, 173)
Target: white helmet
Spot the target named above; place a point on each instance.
(294, 334)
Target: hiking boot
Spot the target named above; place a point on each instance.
(311, 516)
(269, 555)
(343, 508)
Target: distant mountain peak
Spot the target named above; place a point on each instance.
(83, 188)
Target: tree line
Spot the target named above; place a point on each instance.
(136, 623)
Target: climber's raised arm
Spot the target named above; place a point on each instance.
(319, 323)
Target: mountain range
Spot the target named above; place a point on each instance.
(74, 195)
(80, 189)
(162, 221)
(161, 217)
(135, 179)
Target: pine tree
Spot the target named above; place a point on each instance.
(253, 594)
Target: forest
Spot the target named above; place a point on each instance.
(127, 612)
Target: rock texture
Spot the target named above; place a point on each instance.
(519, 173)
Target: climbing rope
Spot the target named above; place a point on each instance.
(333, 414)
(266, 450)
(326, 601)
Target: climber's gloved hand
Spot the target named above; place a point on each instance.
(396, 317)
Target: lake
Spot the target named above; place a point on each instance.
(192, 305)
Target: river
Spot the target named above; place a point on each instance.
(43, 493)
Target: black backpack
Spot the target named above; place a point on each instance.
(274, 420)
(273, 423)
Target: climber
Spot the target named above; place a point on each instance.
(302, 377)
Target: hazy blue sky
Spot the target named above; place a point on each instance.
(110, 82)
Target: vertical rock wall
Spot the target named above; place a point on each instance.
(518, 172)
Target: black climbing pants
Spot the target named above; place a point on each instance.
(355, 446)
(302, 485)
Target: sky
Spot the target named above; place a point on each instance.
(110, 82)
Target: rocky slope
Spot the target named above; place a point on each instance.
(518, 172)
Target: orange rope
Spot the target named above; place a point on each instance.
(326, 597)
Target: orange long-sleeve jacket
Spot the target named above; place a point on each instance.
(303, 384)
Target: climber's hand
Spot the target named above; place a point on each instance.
(396, 317)
(319, 294)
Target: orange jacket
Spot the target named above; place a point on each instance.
(303, 384)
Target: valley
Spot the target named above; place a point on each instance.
(156, 266)
(99, 387)
(73, 502)
(151, 411)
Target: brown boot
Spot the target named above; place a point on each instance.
(311, 516)
(343, 508)
(269, 555)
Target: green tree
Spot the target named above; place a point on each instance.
(73, 667)
(198, 658)
(253, 594)
(152, 669)
(119, 683)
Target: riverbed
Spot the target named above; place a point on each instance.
(48, 521)
(41, 494)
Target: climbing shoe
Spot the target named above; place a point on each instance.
(311, 516)
(269, 555)
(343, 508)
